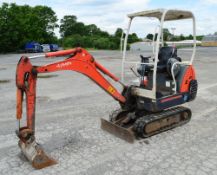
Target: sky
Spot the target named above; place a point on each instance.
(111, 14)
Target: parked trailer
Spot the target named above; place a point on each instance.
(33, 47)
(54, 47)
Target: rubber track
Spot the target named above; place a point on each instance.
(141, 122)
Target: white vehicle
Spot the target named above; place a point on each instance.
(45, 47)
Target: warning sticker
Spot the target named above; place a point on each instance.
(111, 89)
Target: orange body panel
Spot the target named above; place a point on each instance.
(62, 52)
(189, 75)
(84, 63)
(19, 103)
(26, 84)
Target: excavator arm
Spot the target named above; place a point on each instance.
(79, 60)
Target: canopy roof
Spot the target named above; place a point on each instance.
(170, 15)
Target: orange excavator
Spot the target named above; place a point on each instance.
(147, 108)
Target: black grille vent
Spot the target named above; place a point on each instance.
(193, 90)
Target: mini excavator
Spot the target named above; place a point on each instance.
(148, 108)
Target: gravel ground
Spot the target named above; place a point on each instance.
(69, 108)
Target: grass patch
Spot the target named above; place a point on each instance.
(47, 76)
(4, 81)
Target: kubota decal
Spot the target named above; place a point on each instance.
(61, 65)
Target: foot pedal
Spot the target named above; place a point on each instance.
(35, 154)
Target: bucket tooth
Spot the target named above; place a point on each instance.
(35, 154)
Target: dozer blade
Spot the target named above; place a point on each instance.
(121, 132)
(35, 154)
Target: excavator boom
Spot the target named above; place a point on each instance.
(79, 60)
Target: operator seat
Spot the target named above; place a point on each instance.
(164, 55)
(167, 57)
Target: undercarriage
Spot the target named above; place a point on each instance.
(130, 125)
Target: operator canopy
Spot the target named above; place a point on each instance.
(158, 13)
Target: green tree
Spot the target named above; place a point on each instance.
(181, 37)
(132, 38)
(104, 34)
(190, 37)
(149, 36)
(74, 41)
(118, 32)
(68, 25)
(76, 33)
(102, 43)
(200, 37)
(92, 30)
(19, 24)
(166, 34)
(79, 28)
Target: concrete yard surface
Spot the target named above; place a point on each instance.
(68, 112)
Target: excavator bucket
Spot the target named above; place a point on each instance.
(35, 154)
(125, 133)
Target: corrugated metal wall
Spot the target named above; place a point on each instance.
(209, 40)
